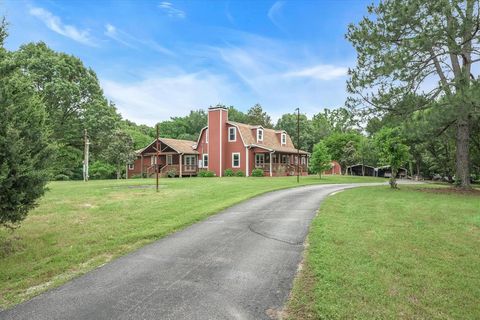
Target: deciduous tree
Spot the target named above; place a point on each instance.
(320, 159)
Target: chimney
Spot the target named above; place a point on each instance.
(217, 137)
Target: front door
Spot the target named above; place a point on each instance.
(190, 163)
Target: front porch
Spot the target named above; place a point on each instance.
(172, 165)
(280, 164)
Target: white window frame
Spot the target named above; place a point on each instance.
(169, 156)
(303, 160)
(230, 134)
(206, 135)
(284, 139)
(233, 159)
(258, 135)
(259, 164)
(131, 166)
(203, 160)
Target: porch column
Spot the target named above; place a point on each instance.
(181, 165)
(246, 159)
(271, 153)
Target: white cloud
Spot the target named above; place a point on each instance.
(320, 72)
(55, 24)
(171, 10)
(168, 93)
(281, 77)
(133, 42)
(274, 13)
(112, 32)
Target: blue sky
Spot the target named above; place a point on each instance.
(157, 59)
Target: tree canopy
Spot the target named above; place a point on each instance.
(408, 49)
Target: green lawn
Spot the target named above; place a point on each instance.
(374, 253)
(79, 226)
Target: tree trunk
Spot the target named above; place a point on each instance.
(393, 179)
(462, 154)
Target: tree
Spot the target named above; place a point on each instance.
(409, 44)
(73, 100)
(288, 122)
(392, 151)
(24, 148)
(366, 153)
(256, 116)
(120, 151)
(320, 159)
(342, 147)
(237, 115)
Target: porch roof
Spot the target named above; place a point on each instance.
(180, 146)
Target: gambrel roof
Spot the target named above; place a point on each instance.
(271, 138)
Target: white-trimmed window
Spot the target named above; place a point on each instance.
(236, 160)
(259, 160)
(259, 134)
(206, 136)
(205, 160)
(303, 161)
(284, 138)
(169, 159)
(131, 166)
(232, 134)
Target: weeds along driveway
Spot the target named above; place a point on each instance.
(238, 264)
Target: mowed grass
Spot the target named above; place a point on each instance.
(374, 253)
(79, 226)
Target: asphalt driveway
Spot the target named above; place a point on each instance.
(238, 264)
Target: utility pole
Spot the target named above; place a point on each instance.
(298, 145)
(86, 155)
(157, 155)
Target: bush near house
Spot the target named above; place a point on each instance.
(257, 173)
(206, 174)
(240, 173)
(228, 173)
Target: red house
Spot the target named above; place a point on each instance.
(222, 145)
(225, 144)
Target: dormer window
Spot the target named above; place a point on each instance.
(259, 134)
(284, 138)
(232, 134)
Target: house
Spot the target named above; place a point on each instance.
(361, 170)
(336, 168)
(172, 153)
(225, 144)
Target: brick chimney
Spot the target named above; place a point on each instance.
(217, 138)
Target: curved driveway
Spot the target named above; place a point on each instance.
(238, 264)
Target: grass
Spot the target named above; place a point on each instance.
(79, 226)
(374, 253)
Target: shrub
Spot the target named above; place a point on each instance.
(228, 173)
(206, 174)
(101, 170)
(171, 173)
(61, 177)
(240, 174)
(257, 173)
